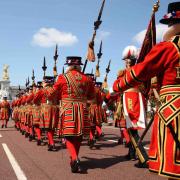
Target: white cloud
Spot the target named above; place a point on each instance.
(160, 29)
(48, 37)
(102, 35)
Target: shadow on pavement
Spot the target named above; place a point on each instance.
(103, 163)
(100, 145)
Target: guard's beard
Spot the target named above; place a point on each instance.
(172, 31)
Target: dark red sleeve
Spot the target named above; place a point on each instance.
(30, 98)
(91, 90)
(37, 97)
(56, 89)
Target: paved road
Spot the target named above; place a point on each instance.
(105, 161)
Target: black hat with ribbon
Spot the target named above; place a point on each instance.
(73, 60)
(48, 79)
(173, 15)
(39, 84)
(99, 84)
(91, 76)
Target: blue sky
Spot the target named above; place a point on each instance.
(29, 30)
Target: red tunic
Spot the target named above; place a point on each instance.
(53, 103)
(4, 110)
(29, 109)
(48, 110)
(73, 88)
(164, 62)
(45, 113)
(15, 111)
(95, 110)
(37, 107)
(19, 108)
(23, 109)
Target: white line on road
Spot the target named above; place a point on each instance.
(18, 171)
(111, 140)
(115, 141)
(0, 135)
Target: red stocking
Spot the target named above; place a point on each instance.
(50, 137)
(38, 133)
(99, 131)
(71, 148)
(92, 132)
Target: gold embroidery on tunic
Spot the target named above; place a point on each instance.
(178, 72)
(78, 77)
(130, 106)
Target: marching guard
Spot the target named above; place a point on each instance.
(134, 110)
(4, 112)
(46, 117)
(36, 111)
(96, 114)
(162, 61)
(74, 88)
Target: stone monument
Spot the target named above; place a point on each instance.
(5, 72)
(5, 89)
(5, 83)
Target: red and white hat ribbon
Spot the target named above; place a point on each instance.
(172, 15)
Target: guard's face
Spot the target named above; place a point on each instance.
(45, 84)
(34, 89)
(128, 63)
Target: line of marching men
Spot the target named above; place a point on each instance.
(38, 107)
(34, 113)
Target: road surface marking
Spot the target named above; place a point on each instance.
(0, 135)
(115, 141)
(18, 171)
(111, 140)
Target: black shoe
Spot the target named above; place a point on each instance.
(51, 148)
(39, 142)
(120, 141)
(2, 126)
(63, 143)
(91, 143)
(126, 145)
(141, 165)
(131, 157)
(101, 135)
(26, 135)
(5, 126)
(30, 137)
(33, 137)
(75, 166)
